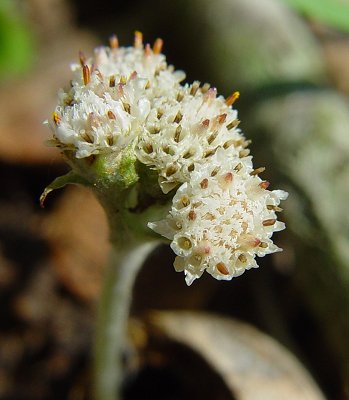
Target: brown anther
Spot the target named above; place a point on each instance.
(123, 80)
(228, 177)
(204, 183)
(154, 129)
(264, 185)
(257, 171)
(185, 201)
(113, 42)
(147, 50)
(127, 107)
(180, 96)
(177, 133)
(221, 267)
(111, 115)
(263, 245)
(209, 153)
(148, 148)
(56, 118)
(159, 113)
(171, 170)
(147, 85)
(205, 88)
(191, 167)
(246, 143)
(157, 47)
(242, 258)
(194, 88)
(192, 215)
(178, 117)
(112, 81)
(215, 171)
(138, 42)
(269, 222)
(233, 124)
(206, 122)
(232, 98)
(133, 75)
(274, 208)
(86, 74)
(228, 143)
(212, 137)
(82, 58)
(238, 167)
(110, 139)
(187, 154)
(244, 153)
(222, 118)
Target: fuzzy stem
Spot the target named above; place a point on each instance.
(114, 308)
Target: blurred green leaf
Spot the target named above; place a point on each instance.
(16, 42)
(334, 13)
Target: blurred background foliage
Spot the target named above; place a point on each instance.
(290, 61)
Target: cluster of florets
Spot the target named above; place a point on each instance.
(222, 213)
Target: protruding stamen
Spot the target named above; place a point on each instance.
(56, 118)
(82, 58)
(192, 215)
(157, 47)
(123, 80)
(113, 42)
(185, 201)
(204, 183)
(210, 94)
(212, 137)
(215, 171)
(269, 222)
(221, 118)
(242, 258)
(194, 88)
(177, 133)
(238, 167)
(264, 185)
(138, 43)
(206, 122)
(127, 107)
(274, 208)
(148, 148)
(263, 245)
(171, 170)
(232, 98)
(222, 268)
(86, 74)
(257, 171)
(233, 124)
(111, 115)
(178, 117)
(112, 81)
(244, 153)
(205, 87)
(180, 96)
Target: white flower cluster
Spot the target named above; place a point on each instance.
(222, 214)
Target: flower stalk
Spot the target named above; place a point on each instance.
(114, 308)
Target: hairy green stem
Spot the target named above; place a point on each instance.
(114, 308)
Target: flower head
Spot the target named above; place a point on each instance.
(222, 214)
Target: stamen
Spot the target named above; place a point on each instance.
(56, 118)
(206, 122)
(192, 215)
(86, 74)
(204, 183)
(269, 222)
(274, 208)
(242, 258)
(222, 118)
(257, 171)
(233, 124)
(82, 58)
(138, 42)
(112, 81)
(177, 133)
(178, 117)
(157, 47)
(147, 50)
(113, 42)
(238, 167)
(244, 153)
(264, 185)
(111, 115)
(232, 98)
(194, 88)
(221, 267)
